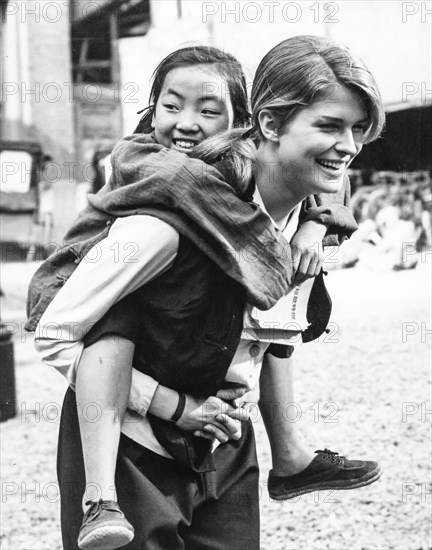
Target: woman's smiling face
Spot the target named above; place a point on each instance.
(194, 104)
(321, 141)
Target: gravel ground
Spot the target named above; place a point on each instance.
(363, 390)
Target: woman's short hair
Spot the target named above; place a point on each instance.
(294, 74)
(301, 69)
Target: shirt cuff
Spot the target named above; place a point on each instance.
(63, 356)
(142, 390)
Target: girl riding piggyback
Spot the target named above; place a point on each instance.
(197, 92)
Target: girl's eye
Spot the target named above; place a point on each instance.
(170, 107)
(210, 112)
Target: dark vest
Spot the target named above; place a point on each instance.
(189, 322)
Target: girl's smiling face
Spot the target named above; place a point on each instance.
(321, 141)
(193, 105)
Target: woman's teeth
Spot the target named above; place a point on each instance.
(329, 165)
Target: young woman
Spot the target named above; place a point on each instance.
(293, 133)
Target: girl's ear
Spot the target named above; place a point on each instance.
(268, 125)
(152, 124)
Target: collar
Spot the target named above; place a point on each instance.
(289, 226)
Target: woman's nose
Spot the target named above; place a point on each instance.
(347, 143)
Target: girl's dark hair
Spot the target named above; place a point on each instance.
(223, 63)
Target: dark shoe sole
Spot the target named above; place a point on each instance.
(106, 538)
(343, 485)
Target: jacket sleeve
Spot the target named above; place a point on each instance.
(332, 210)
(106, 274)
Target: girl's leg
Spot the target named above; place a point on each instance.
(289, 455)
(102, 390)
(143, 480)
(296, 469)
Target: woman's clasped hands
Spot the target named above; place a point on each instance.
(215, 417)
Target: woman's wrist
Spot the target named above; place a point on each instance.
(164, 402)
(178, 413)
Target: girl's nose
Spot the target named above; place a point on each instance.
(187, 123)
(347, 143)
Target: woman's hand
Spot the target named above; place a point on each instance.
(209, 417)
(212, 418)
(307, 250)
(232, 395)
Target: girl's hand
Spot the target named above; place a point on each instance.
(307, 249)
(212, 418)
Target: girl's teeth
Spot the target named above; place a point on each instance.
(185, 144)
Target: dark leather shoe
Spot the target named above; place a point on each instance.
(104, 527)
(328, 470)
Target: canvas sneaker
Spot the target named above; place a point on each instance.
(104, 527)
(327, 470)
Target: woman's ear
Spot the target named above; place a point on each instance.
(268, 125)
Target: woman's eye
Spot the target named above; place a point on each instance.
(329, 127)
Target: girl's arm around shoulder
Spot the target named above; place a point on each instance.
(136, 250)
(334, 212)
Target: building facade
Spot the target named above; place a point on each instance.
(75, 72)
